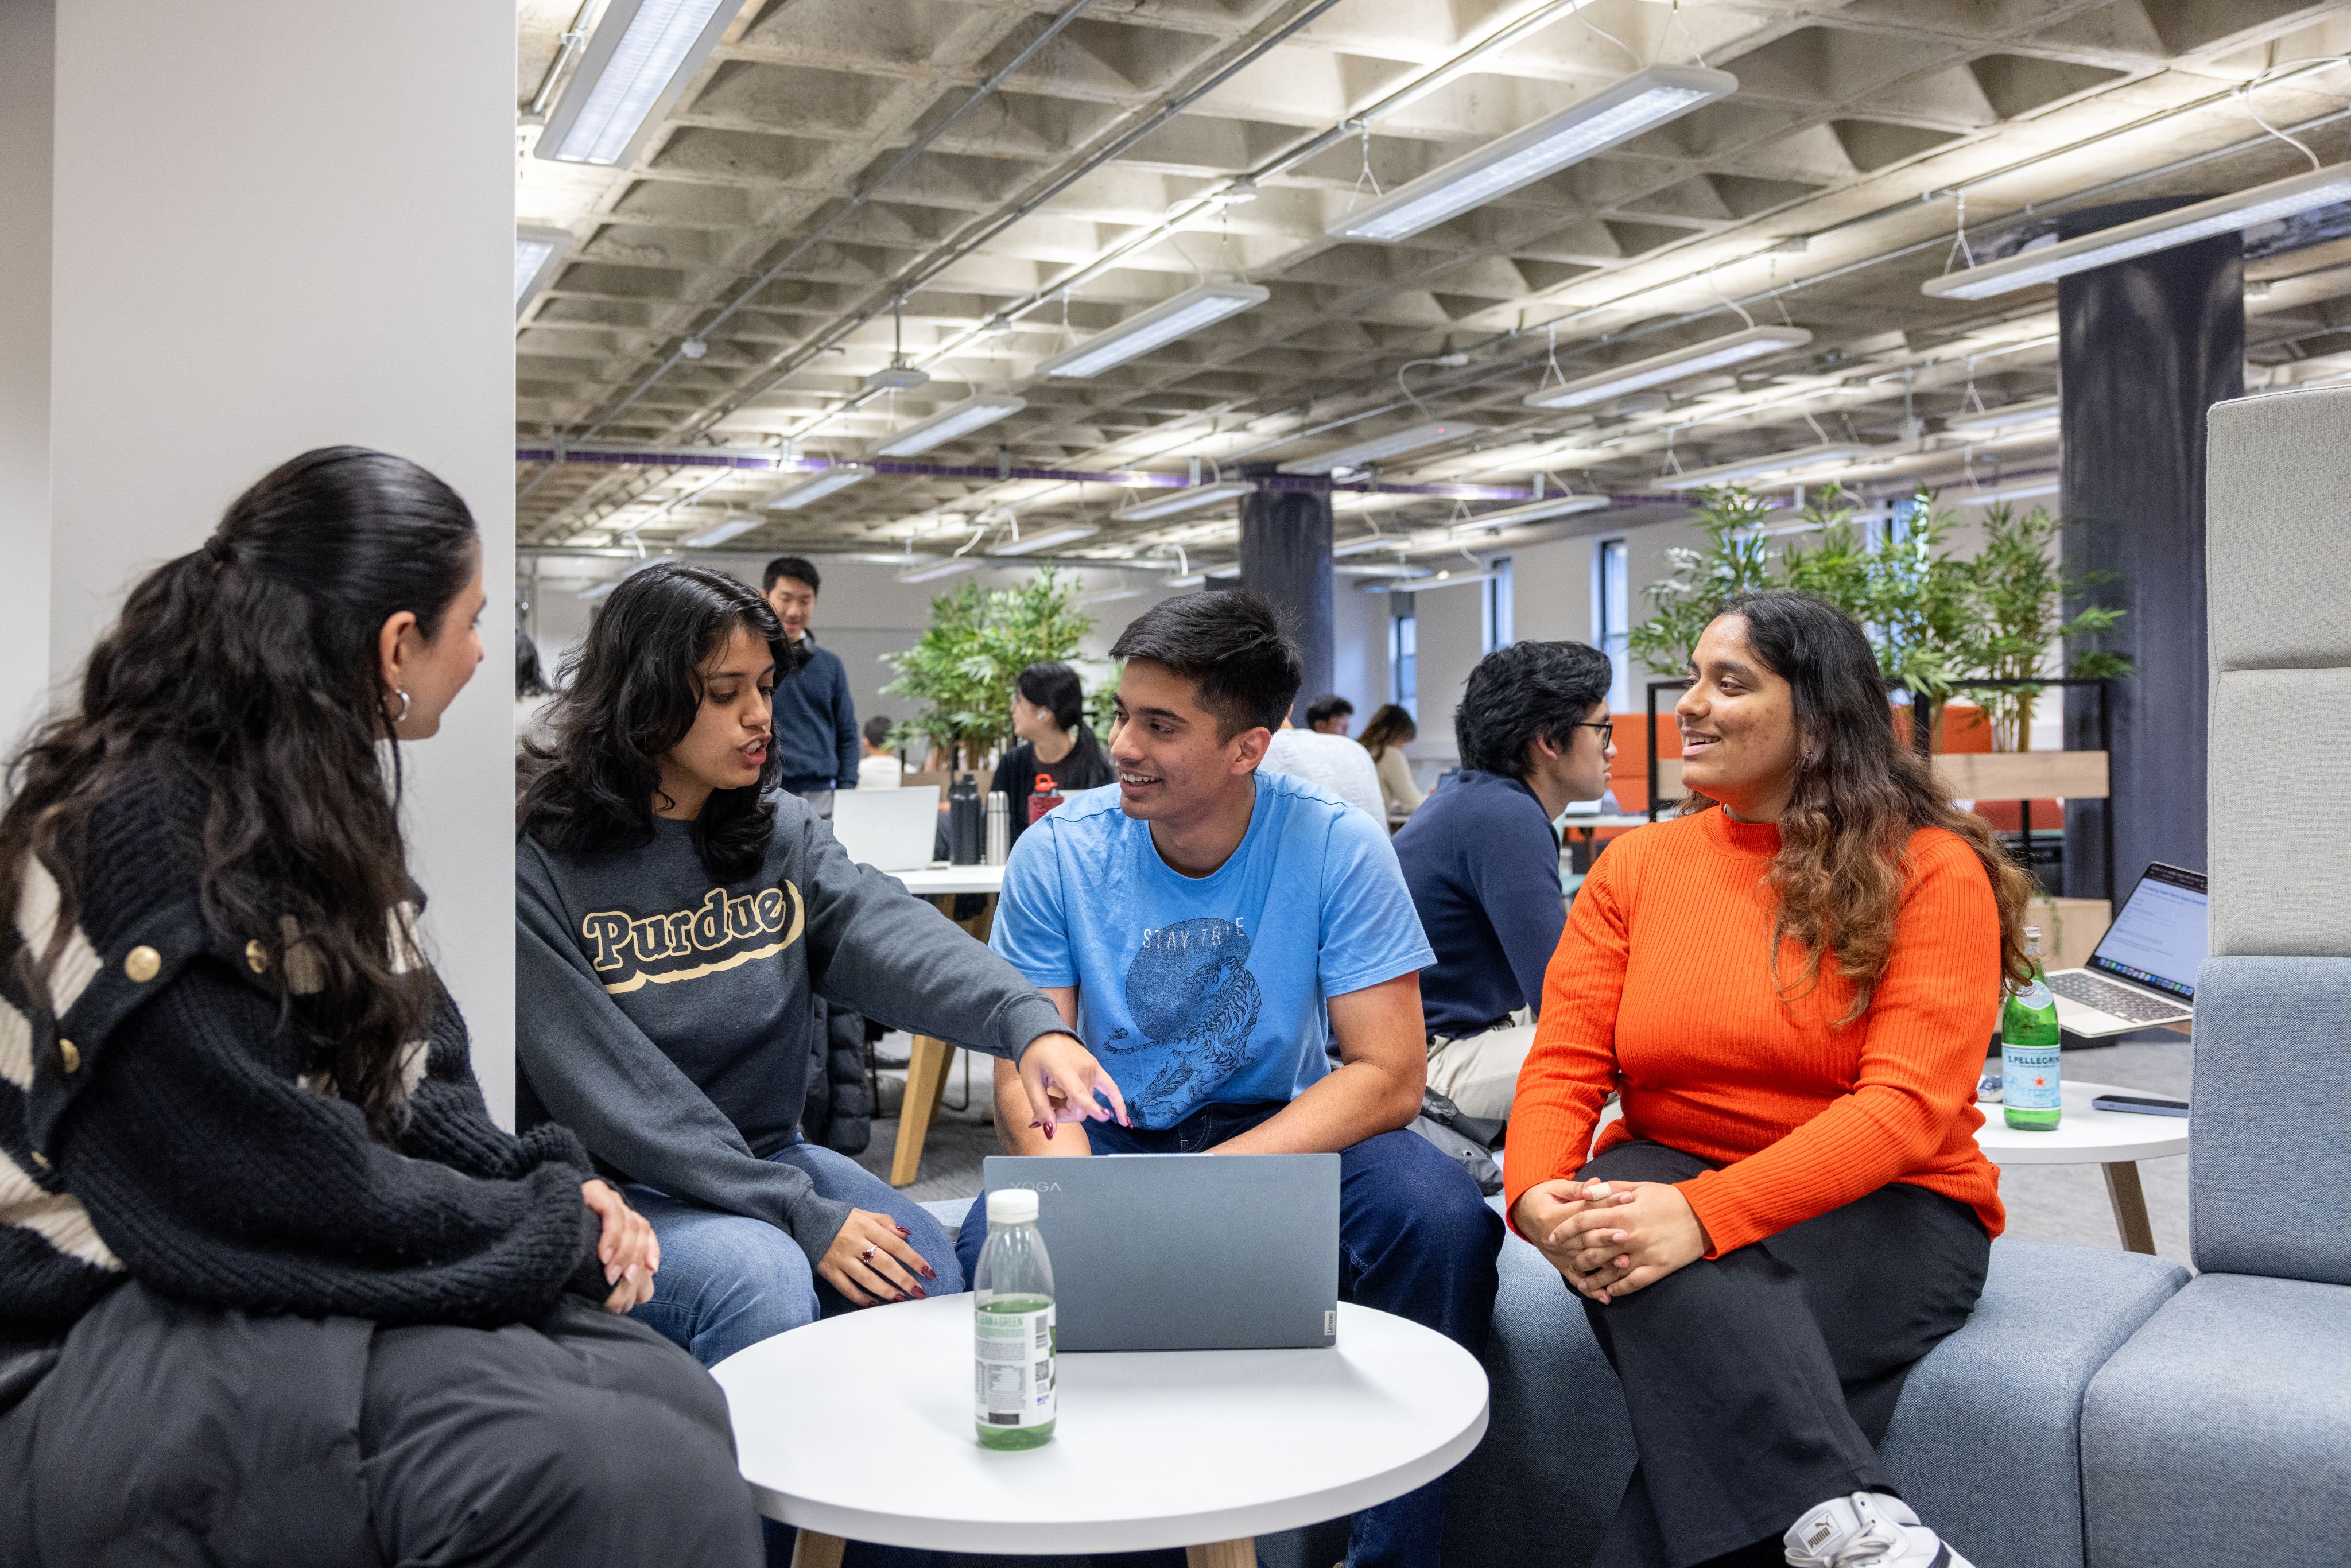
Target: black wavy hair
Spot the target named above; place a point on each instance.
(1230, 644)
(251, 668)
(1054, 686)
(1522, 692)
(630, 692)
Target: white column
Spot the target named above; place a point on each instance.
(27, 54)
(282, 225)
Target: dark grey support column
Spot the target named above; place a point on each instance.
(1286, 556)
(2145, 348)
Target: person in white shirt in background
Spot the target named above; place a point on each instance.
(1330, 714)
(1330, 759)
(879, 768)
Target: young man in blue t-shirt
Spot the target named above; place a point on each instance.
(1209, 929)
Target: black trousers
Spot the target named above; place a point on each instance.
(1759, 1382)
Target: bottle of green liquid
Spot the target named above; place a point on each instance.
(2029, 1042)
(1012, 1295)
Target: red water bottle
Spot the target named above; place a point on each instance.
(1047, 796)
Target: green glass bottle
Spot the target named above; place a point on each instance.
(2030, 1043)
(1014, 1389)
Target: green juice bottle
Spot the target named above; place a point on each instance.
(2029, 1049)
(1014, 1376)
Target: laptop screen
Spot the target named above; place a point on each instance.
(2160, 938)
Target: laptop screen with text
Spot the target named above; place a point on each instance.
(2160, 938)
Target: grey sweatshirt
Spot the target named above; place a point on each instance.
(668, 1019)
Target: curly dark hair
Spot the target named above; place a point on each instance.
(251, 667)
(1860, 794)
(1522, 692)
(630, 692)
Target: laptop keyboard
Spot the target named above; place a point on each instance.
(2094, 991)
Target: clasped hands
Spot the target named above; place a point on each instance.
(1608, 1239)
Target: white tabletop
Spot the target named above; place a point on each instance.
(2083, 1136)
(942, 878)
(860, 1426)
(1609, 820)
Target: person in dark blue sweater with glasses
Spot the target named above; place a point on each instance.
(1482, 859)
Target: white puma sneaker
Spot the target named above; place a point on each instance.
(1867, 1530)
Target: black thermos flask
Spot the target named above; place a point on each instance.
(967, 821)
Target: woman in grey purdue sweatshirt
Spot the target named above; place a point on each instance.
(675, 916)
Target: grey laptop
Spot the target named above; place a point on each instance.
(1184, 1252)
(2143, 972)
(889, 830)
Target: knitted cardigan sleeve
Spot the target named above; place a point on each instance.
(220, 1179)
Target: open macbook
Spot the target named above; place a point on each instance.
(889, 830)
(2143, 972)
(1184, 1252)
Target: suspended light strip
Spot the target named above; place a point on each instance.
(939, 569)
(719, 532)
(2032, 411)
(1638, 103)
(821, 483)
(1190, 499)
(1680, 364)
(2000, 493)
(956, 419)
(2181, 225)
(1162, 323)
(1048, 540)
(1420, 584)
(1364, 545)
(1761, 467)
(538, 253)
(643, 54)
(1380, 448)
(1532, 512)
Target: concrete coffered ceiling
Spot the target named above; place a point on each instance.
(773, 242)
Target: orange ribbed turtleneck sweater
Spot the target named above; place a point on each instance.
(1661, 989)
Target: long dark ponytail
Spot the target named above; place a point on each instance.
(249, 670)
(1054, 686)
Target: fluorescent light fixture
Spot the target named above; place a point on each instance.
(1048, 540)
(719, 532)
(1379, 447)
(595, 591)
(1532, 512)
(1640, 102)
(2033, 411)
(1677, 365)
(538, 253)
(939, 569)
(1162, 323)
(1363, 546)
(1191, 498)
(1190, 579)
(821, 483)
(2016, 491)
(956, 419)
(641, 58)
(1113, 593)
(1759, 467)
(1421, 584)
(2202, 220)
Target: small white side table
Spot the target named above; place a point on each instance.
(2116, 1140)
(858, 1427)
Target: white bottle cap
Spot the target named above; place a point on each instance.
(1011, 1206)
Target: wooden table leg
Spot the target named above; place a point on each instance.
(814, 1551)
(1241, 1553)
(2130, 1207)
(926, 1081)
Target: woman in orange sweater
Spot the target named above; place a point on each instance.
(1790, 986)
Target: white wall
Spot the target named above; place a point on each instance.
(28, 53)
(1359, 649)
(278, 225)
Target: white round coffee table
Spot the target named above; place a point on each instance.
(858, 1427)
(2116, 1140)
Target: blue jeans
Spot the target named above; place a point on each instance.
(727, 1280)
(1414, 1239)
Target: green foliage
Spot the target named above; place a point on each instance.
(964, 665)
(2018, 600)
(1701, 582)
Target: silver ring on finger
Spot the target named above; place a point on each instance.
(866, 1256)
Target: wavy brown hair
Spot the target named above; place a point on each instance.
(1860, 794)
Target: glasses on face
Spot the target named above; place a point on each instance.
(1607, 729)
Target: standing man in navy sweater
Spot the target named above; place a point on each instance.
(816, 721)
(1482, 859)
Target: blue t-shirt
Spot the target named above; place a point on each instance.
(1212, 990)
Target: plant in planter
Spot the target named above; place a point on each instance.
(2016, 600)
(963, 664)
(1735, 560)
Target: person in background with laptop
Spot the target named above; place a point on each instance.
(816, 719)
(880, 767)
(1482, 859)
(1208, 927)
(1048, 715)
(1790, 984)
(675, 915)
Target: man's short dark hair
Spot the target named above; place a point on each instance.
(1325, 708)
(877, 729)
(1229, 645)
(1524, 692)
(792, 565)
